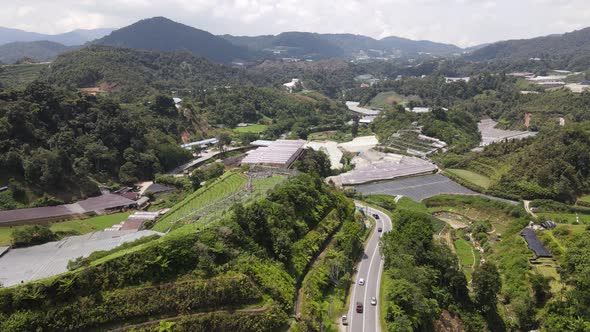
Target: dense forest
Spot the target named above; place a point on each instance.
(284, 112)
(61, 143)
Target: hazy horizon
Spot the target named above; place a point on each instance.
(460, 22)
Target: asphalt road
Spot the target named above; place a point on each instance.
(370, 269)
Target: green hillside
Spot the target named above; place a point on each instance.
(240, 276)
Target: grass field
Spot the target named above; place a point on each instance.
(255, 128)
(563, 217)
(387, 98)
(18, 76)
(548, 268)
(195, 205)
(77, 227)
(585, 199)
(469, 176)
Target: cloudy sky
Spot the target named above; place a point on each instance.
(462, 22)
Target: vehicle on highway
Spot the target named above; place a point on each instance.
(344, 320)
(361, 281)
(375, 215)
(359, 307)
(379, 229)
(373, 301)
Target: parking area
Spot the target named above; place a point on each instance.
(416, 188)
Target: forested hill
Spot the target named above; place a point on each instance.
(39, 51)
(162, 34)
(572, 43)
(135, 73)
(56, 142)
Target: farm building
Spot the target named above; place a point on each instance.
(157, 188)
(99, 204)
(280, 153)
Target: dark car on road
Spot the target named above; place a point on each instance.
(359, 307)
(379, 229)
(375, 215)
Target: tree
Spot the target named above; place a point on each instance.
(223, 140)
(128, 173)
(315, 162)
(164, 105)
(487, 284)
(32, 235)
(355, 125)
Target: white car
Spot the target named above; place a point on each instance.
(361, 281)
(373, 301)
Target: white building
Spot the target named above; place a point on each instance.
(291, 86)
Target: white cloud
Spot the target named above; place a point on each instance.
(463, 22)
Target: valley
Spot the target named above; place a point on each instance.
(159, 177)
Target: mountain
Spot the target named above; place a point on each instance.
(162, 34)
(572, 43)
(76, 37)
(39, 51)
(314, 45)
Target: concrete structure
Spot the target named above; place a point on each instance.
(280, 153)
(354, 107)
(203, 143)
(418, 109)
(456, 79)
(367, 119)
(291, 86)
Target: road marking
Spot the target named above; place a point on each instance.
(367, 277)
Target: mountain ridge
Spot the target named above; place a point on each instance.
(71, 38)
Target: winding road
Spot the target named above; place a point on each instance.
(370, 269)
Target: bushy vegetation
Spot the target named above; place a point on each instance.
(328, 280)
(242, 262)
(424, 278)
(552, 165)
(32, 235)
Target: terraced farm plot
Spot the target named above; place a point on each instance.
(469, 176)
(256, 128)
(468, 256)
(215, 196)
(548, 268)
(19, 76)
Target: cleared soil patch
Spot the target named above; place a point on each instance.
(456, 221)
